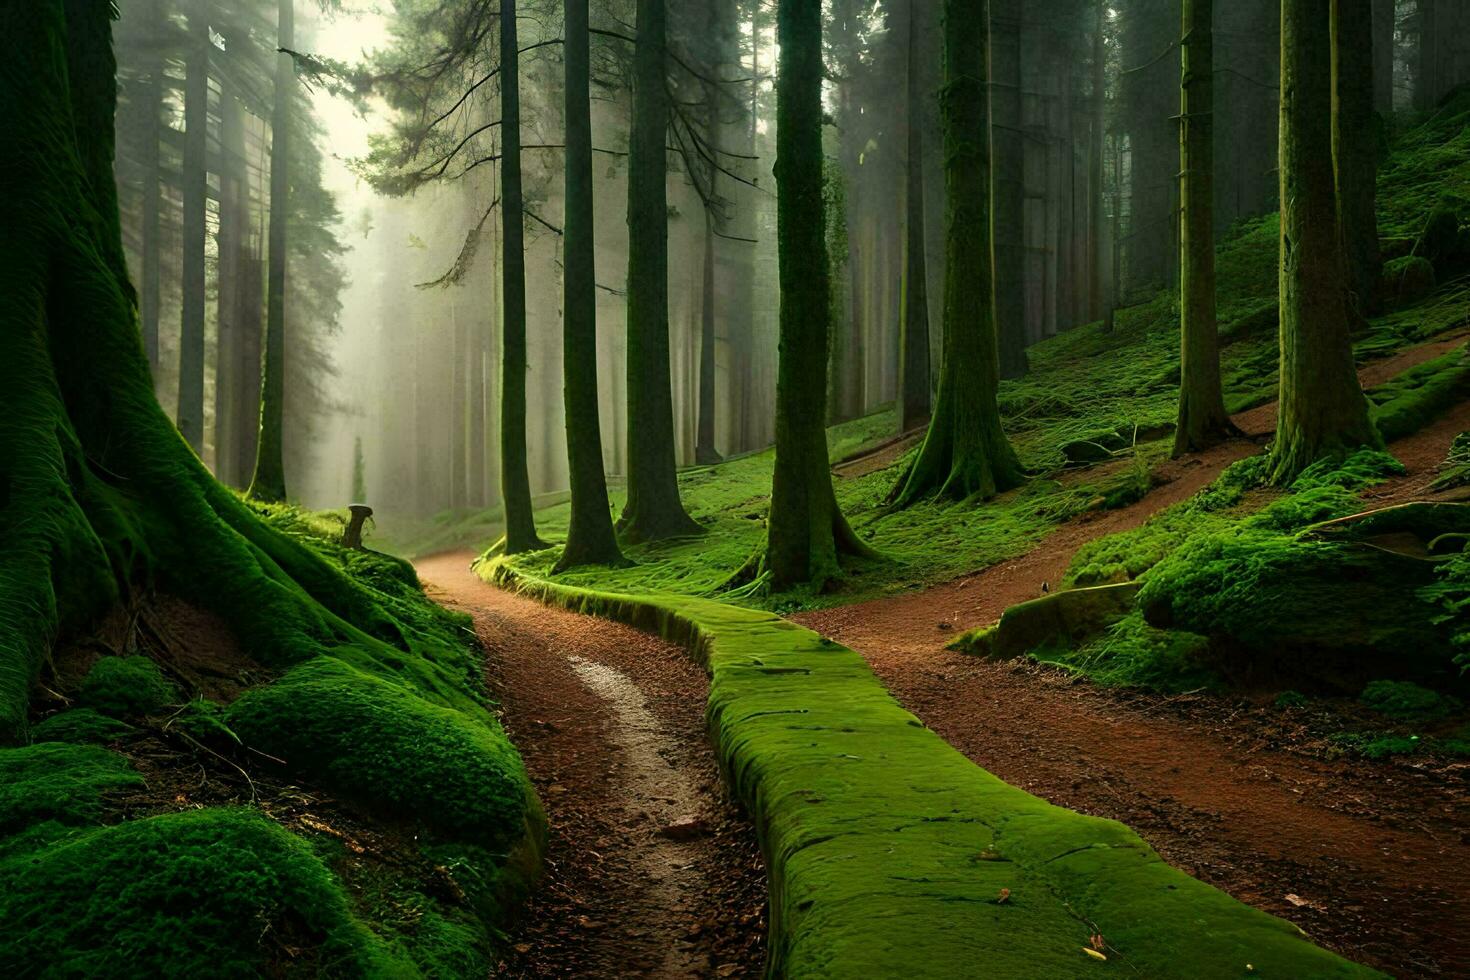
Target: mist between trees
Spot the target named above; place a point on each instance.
(391, 297)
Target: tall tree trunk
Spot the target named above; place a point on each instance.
(1426, 66)
(151, 295)
(965, 452)
(195, 180)
(476, 433)
(1355, 148)
(1202, 417)
(653, 509)
(590, 536)
(1096, 249)
(269, 482)
(1322, 409)
(234, 220)
(913, 356)
(1153, 141)
(1385, 17)
(705, 453)
(806, 530)
(1008, 153)
(515, 476)
(459, 476)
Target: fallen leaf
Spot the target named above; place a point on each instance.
(1094, 954)
(1004, 896)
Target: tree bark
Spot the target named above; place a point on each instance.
(1098, 271)
(913, 355)
(152, 196)
(515, 477)
(965, 452)
(1322, 409)
(1355, 149)
(1008, 152)
(653, 510)
(234, 219)
(1202, 417)
(269, 481)
(458, 408)
(705, 453)
(590, 536)
(195, 182)
(1385, 16)
(806, 530)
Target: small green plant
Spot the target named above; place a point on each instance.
(1408, 701)
(1291, 699)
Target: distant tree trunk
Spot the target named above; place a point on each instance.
(705, 453)
(966, 453)
(459, 477)
(1426, 64)
(1322, 409)
(1385, 17)
(806, 530)
(269, 482)
(1152, 139)
(1008, 152)
(1203, 420)
(476, 434)
(913, 357)
(1096, 250)
(653, 510)
(515, 477)
(1355, 148)
(590, 536)
(152, 97)
(195, 181)
(234, 219)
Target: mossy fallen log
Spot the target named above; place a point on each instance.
(1059, 619)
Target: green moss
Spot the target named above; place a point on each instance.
(58, 784)
(204, 722)
(1415, 398)
(380, 744)
(126, 687)
(1408, 701)
(1290, 699)
(880, 839)
(1131, 653)
(1380, 745)
(80, 726)
(217, 892)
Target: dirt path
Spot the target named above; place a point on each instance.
(1371, 859)
(651, 871)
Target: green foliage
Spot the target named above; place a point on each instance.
(377, 742)
(1290, 699)
(185, 894)
(80, 726)
(1131, 653)
(1450, 593)
(205, 722)
(1455, 470)
(1408, 701)
(126, 687)
(1381, 745)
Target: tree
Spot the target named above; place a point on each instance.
(913, 358)
(1355, 148)
(590, 536)
(103, 499)
(1008, 188)
(190, 416)
(269, 481)
(515, 477)
(806, 530)
(965, 452)
(1202, 417)
(653, 509)
(1322, 409)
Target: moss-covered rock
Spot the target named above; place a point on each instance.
(1415, 398)
(54, 785)
(80, 726)
(126, 687)
(1060, 619)
(1406, 280)
(1439, 242)
(382, 745)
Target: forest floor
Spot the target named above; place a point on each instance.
(651, 869)
(1369, 858)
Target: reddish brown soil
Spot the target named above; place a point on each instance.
(610, 722)
(1371, 859)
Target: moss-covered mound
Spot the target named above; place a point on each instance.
(205, 893)
(890, 854)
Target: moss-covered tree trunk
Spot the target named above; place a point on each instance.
(1202, 417)
(1322, 409)
(806, 531)
(269, 481)
(1355, 147)
(1008, 154)
(100, 499)
(515, 474)
(966, 452)
(590, 536)
(152, 285)
(194, 180)
(653, 510)
(913, 346)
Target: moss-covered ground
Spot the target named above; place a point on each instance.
(185, 811)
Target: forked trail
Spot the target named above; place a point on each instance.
(1370, 859)
(651, 871)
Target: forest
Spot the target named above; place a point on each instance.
(735, 488)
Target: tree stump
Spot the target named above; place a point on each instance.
(352, 536)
